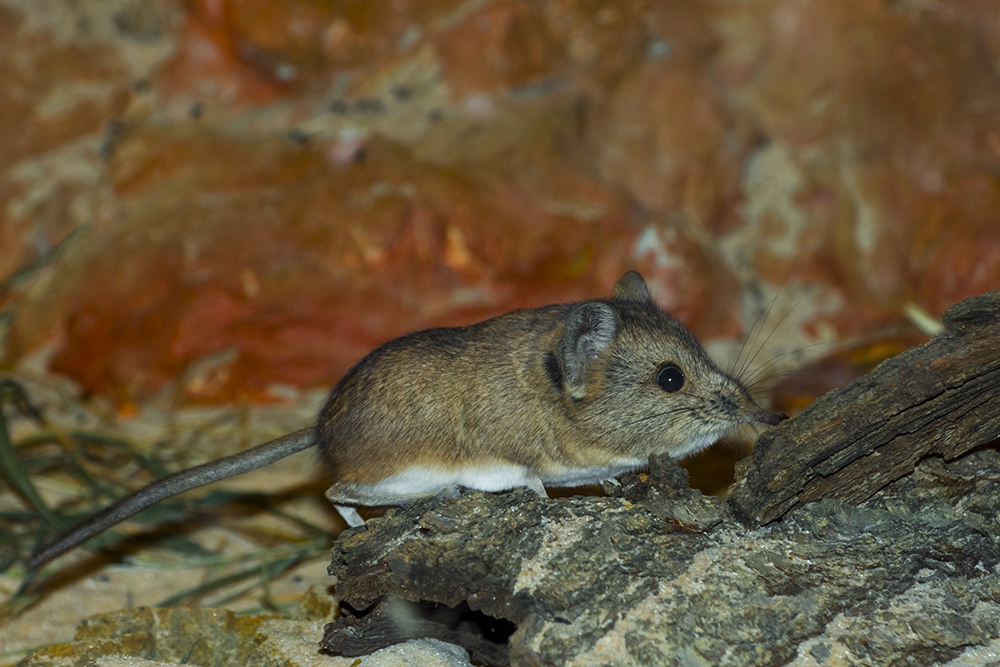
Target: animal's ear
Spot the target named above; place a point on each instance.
(591, 327)
(631, 287)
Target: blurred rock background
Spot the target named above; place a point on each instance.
(225, 197)
(229, 202)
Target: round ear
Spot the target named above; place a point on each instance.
(631, 287)
(591, 327)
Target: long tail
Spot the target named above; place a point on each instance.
(230, 466)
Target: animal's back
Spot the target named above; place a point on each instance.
(450, 397)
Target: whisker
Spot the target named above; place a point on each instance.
(751, 378)
(765, 313)
(764, 381)
(671, 413)
(768, 337)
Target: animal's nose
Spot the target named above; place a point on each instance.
(771, 418)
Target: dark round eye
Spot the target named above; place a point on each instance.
(670, 378)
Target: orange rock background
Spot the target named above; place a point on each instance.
(227, 196)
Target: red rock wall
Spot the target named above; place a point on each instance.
(245, 193)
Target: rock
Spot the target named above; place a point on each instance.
(218, 638)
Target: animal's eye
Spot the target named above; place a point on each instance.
(670, 378)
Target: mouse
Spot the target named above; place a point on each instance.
(563, 395)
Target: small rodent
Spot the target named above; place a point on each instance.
(562, 395)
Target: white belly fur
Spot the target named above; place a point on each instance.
(428, 480)
(594, 475)
(420, 481)
(425, 480)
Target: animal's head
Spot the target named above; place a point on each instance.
(644, 381)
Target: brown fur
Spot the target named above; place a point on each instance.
(489, 393)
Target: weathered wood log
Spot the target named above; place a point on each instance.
(390, 622)
(942, 398)
(908, 577)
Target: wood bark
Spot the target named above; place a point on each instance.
(941, 398)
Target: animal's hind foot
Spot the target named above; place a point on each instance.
(350, 515)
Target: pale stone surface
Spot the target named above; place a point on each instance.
(142, 637)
